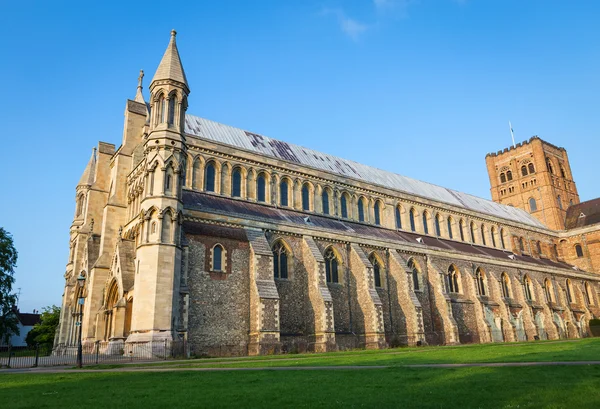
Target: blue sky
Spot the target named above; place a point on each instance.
(424, 88)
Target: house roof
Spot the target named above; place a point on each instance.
(207, 202)
(214, 131)
(583, 214)
(27, 319)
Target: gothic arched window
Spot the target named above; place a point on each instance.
(331, 266)
(398, 214)
(548, 290)
(236, 183)
(461, 229)
(438, 229)
(411, 216)
(558, 199)
(480, 278)
(209, 177)
(280, 260)
(502, 177)
(284, 193)
(483, 232)
(579, 250)
(505, 285)
(344, 205)
(562, 172)
(493, 236)
(325, 198)
(549, 166)
(361, 210)
(172, 105)
(261, 188)
(377, 213)
(415, 275)
(305, 197)
(521, 244)
(589, 296)
(450, 233)
(376, 270)
(527, 288)
(453, 280)
(502, 239)
(425, 224)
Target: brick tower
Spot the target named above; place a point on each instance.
(535, 176)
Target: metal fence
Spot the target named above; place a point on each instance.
(99, 352)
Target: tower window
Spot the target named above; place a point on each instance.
(508, 175)
(524, 170)
(549, 166)
(531, 168)
(502, 177)
(172, 105)
(532, 205)
(562, 172)
(579, 250)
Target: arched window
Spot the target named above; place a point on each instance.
(589, 297)
(453, 280)
(461, 229)
(450, 233)
(531, 168)
(524, 170)
(280, 260)
(502, 239)
(562, 172)
(472, 230)
(261, 188)
(172, 105)
(579, 250)
(411, 216)
(168, 183)
(493, 236)
(527, 288)
(502, 177)
(415, 275)
(217, 258)
(548, 290)
(505, 285)
(425, 224)
(532, 205)
(549, 166)
(161, 105)
(398, 214)
(480, 278)
(331, 267)
(376, 270)
(284, 193)
(80, 204)
(558, 199)
(305, 198)
(361, 210)
(344, 205)
(325, 199)
(483, 233)
(438, 230)
(570, 297)
(377, 213)
(209, 177)
(236, 183)
(508, 175)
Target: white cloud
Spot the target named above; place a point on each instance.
(349, 26)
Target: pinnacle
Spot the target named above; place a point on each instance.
(170, 67)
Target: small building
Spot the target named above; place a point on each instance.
(26, 323)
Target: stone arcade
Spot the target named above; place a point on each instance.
(242, 244)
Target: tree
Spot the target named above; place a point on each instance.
(9, 323)
(43, 332)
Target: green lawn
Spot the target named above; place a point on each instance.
(576, 350)
(522, 387)
(396, 386)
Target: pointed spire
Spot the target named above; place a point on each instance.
(170, 67)
(139, 97)
(87, 179)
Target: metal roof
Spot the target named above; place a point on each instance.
(214, 131)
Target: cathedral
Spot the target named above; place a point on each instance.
(239, 244)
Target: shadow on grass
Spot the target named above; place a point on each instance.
(523, 387)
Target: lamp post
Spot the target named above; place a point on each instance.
(80, 301)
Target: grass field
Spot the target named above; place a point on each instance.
(397, 386)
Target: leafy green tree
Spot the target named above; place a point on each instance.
(9, 323)
(43, 332)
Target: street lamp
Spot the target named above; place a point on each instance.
(80, 301)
